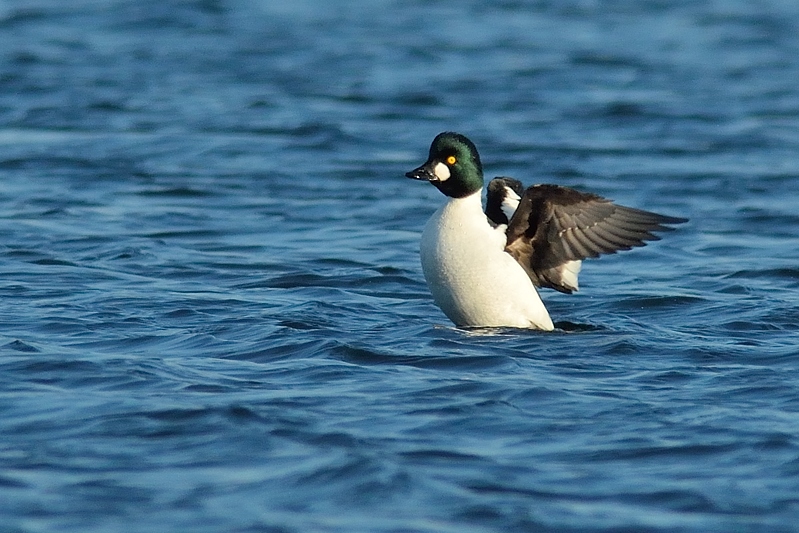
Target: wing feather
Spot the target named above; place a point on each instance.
(554, 226)
(497, 198)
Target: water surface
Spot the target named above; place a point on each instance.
(213, 316)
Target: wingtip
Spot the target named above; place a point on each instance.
(673, 220)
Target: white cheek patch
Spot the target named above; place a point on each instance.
(441, 171)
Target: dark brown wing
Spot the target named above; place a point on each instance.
(556, 225)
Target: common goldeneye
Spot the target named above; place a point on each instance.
(483, 267)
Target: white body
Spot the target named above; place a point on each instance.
(472, 279)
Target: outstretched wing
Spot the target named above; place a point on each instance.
(553, 228)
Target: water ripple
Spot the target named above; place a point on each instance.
(214, 315)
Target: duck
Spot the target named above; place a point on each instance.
(484, 266)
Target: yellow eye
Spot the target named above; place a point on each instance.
(451, 160)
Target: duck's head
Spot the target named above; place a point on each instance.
(453, 166)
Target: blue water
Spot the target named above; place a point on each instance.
(213, 317)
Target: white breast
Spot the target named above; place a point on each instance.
(472, 279)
